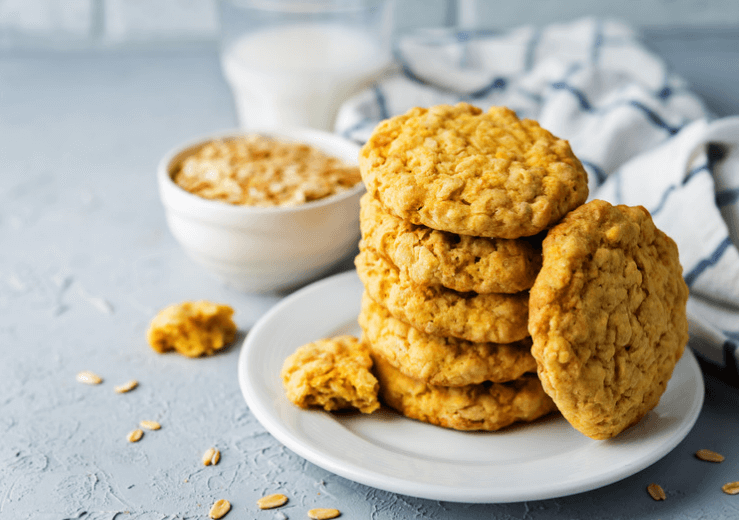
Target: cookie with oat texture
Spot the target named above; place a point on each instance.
(607, 316)
(489, 406)
(462, 170)
(441, 360)
(499, 318)
(459, 262)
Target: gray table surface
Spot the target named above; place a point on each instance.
(86, 260)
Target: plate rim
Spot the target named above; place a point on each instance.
(405, 486)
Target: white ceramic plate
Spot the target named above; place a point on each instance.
(384, 450)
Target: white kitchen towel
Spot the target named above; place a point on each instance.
(642, 135)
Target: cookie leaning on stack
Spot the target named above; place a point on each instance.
(449, 250)
(608, 316)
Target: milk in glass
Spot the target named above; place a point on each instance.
(299, 74)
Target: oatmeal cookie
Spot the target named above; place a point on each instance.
(607, 316)
(459, 262)
(333, 373)
(500, 318)
(438, 360)
(457, 169)
(192, 329)
(488, 406)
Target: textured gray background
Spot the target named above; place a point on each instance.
(86, 260)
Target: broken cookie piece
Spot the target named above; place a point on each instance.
(333, 373)
(193, 329)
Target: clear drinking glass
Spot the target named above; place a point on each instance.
(293, 62)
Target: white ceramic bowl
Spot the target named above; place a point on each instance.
(264, 249)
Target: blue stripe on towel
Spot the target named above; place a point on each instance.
(707, 262)
(727, 197)
(597, 43)
(381, 102)
(360, 124)
(584, 103)
(692, 173)
(664, 93)
(586, 106)
(600, 175)
(654, 118)
(496, 84)
(530, 56)
(408, 73)
(618, 193)
(663, 200)
(536, 98)
(672, 188)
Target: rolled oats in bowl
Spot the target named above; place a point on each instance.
(267, 210)
(261, 171)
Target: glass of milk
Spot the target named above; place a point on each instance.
(293, 62)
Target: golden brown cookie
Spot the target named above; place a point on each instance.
(192, 329)
(459, 262)
(333, 373)
(457, 169)
(607, 316)
(439, 360)
(488, 406)
(500, 318)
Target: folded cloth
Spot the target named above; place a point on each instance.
(642, 135)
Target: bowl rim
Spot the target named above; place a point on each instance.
(310, 136)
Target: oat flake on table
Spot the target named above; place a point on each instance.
(272, 501)
(211, 457)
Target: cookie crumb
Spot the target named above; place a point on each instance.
(709, 456)
(89, 378)
(656, 491)
(135, 436)
(126, 387)
(333, 373)
(211, 457)
(219, 509)
(322, 513)
(192, 329)
(272, 501)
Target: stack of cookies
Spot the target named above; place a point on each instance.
(458, 202)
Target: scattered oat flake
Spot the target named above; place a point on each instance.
(135, 436)
(731, 488)
(219, 509)
(89, 378)
(272, 501)
(710, 456)
(323, 513)
(150, 425)
(211, 457)
(656, 491)
(127, 386)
